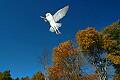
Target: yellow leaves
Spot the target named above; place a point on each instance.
(110, 29)
(114, 59)
(116, 77)
(106, 36)
(61, 54)
(53, 70)
(109, 43)
(88, 38)
(63, 50)
(38, 76)
(89, 41)
(56, 72)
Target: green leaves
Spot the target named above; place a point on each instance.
(5, 75)
(111, 36)
(112, 41)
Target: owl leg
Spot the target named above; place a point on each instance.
(58, 32)
(55, 30)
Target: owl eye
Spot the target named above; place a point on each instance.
(48, 14)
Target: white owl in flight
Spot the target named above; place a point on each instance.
(52, 19)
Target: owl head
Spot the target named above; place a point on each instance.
(48, 14)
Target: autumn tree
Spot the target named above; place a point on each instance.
(65, 62)
(111, 36)
(90, 42)
(38, 76)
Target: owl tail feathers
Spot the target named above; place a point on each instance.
(56, 30)
(58, 25)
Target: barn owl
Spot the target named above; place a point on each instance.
(53, 19)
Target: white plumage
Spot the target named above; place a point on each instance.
(53, 19)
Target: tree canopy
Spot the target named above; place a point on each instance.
(98, 50)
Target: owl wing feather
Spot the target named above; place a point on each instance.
(60, 13)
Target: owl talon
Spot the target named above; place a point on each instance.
(59, 32)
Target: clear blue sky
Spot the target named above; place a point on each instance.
(23, 34)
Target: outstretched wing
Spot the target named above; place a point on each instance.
(61, 13)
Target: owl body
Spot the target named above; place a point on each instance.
(52, 19)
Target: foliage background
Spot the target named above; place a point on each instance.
(23, 35)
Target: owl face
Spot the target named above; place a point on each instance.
(49, 17)
(48, 14)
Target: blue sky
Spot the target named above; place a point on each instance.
(23, 34)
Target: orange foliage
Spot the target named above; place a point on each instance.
(114, 59)
(92, 77)
(116, 77)
(88, 39)
(63, 51)
(56, 72)
(109, 44)
(61, 54)
(112, 42)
